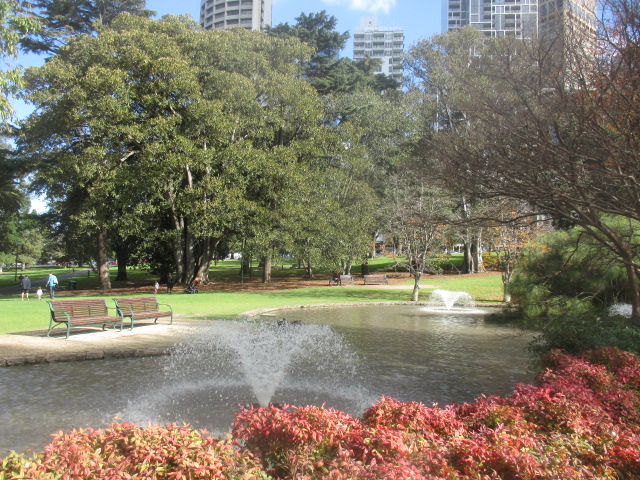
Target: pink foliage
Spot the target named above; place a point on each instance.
(582, 421)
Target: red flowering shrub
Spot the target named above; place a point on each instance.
(582, 421)
(125, 451)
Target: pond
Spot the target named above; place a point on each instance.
(344, 358)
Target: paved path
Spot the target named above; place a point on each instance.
(144, 340)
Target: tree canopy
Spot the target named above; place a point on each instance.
(555, 131)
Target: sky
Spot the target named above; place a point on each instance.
(418, 18)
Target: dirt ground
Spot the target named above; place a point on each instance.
(396, 280)
(246, 285)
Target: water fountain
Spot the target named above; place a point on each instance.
(447, 300)
(620, 309)
(344, 358)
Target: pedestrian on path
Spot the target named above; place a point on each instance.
(169, 283)
(25, 285)
(52, 283)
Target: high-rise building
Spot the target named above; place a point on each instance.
(223, 14)
(562, 19)
(495, 17)
(385, 43)
(545, 19)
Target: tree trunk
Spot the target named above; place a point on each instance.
(122, 256)
(506, 297)
(507, 273)
(204, 264)
(346, 268)
(476, 254)
(415, 295)
(634, 293)
(245, 266)
(177, 246)
(308, 268)
(103, 261)
(189, 268)
(467, 261)
(266, 269)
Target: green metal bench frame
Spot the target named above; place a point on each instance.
(142, 308)
(82, 313)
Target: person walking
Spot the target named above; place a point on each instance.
(25, 285)
(52, 283)
(169, 283)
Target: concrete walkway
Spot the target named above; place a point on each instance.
(91, 343)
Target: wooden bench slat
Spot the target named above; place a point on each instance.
(81, 312)
(142, 308)
(375, 279)
(344, 279)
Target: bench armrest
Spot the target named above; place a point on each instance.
(166, 305)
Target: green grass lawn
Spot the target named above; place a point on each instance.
(38, 275)
(19, 316)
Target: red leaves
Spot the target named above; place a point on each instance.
(581, 422)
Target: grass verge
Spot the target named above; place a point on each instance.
(22, 316)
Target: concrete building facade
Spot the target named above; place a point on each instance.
(495, 17)
(223, 14)
(385, 43)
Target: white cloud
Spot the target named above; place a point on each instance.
(373, 6)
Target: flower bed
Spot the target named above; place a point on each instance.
(581, 422)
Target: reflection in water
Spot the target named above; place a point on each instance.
(356, 354)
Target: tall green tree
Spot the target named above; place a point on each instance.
(63, 19)
(16, 21)
(155, 127)
(325, 70)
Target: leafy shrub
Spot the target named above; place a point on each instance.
(580, 332)
(582, 421)
(125, 451)
(566, 266)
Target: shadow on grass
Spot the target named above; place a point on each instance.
(346, 294)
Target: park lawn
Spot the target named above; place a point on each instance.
(38, 275)
(22, 316)
(482, 287)
(18, 316)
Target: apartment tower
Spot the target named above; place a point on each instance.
(568, 23)
(223, 14)
(385, 43)
(495, 17)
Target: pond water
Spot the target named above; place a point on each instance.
(345, 358)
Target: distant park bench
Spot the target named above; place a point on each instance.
(143, 308)
(375, 280)
(81, 313)
(341, 280)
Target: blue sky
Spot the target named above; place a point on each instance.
(418, 18)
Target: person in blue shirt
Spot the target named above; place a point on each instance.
(52, 283)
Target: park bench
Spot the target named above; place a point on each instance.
(82, 313)
(142, 308)
(375, 280)
(341, 280)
